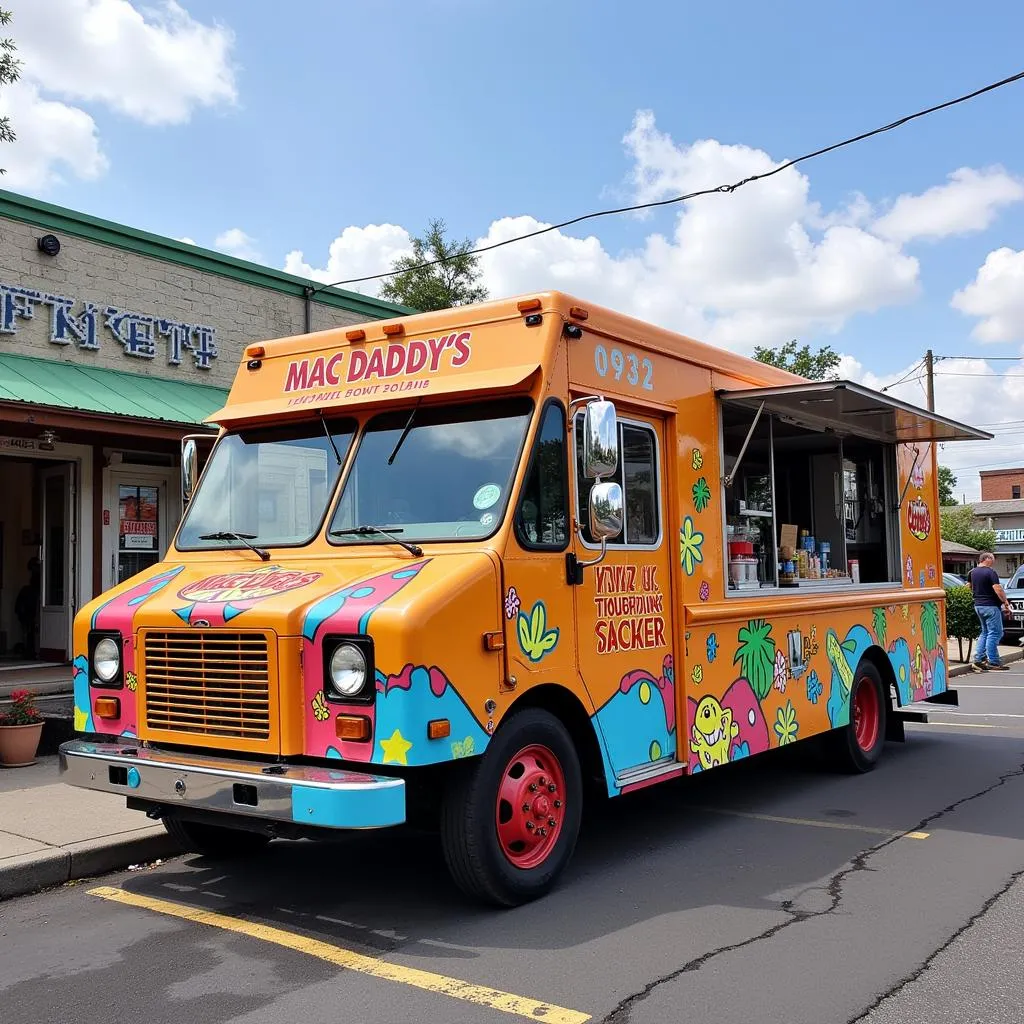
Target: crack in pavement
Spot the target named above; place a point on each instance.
(620, 1014)
(915, 975)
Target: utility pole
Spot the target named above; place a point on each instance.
(929, 376)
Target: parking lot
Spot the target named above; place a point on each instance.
(767, 891)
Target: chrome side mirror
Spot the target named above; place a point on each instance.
(189, 469)
(606, 511)
(600, 439)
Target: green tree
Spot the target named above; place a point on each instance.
(820, 365)
(453, 281)
(9, 71)
(957, 523)
(961, 619)
(947, 481)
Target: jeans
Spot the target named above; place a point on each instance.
(991, 634)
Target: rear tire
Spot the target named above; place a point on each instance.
(856, 747)
(214, 841)
(509, 820)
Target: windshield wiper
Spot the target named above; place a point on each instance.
(368, 531)
(245, 538)
(327, 434)
(405, 433)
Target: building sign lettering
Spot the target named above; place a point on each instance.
(1010, 536)
(138, 333)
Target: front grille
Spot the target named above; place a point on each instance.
(208, 683)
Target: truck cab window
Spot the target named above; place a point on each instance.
(543, 513)
(637, 474)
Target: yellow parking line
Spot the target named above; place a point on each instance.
(813, 822)
(453, 987)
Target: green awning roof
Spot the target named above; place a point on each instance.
(107, 392)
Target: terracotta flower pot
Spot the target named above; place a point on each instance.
(19, 743)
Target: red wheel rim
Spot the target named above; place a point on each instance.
(865, 714)
(530, 808)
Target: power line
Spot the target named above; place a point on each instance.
(993, 376)
(905, 378)
(689, 195)
(987, 359)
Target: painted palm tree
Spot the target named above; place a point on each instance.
(930, 625)
(756, 655)
(880, 625)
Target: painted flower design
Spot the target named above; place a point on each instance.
(131, 680)
(781, 673)
(705, 590)
(512, 603)
(712, 646)
(701, 494)
(319, 706)
(691, 541)
(741, 750)
(910, 571)
(786, 726)
(696, 459)
(813, 687)
(697, 675)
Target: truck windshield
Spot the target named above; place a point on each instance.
(432, 473)
(269, 486)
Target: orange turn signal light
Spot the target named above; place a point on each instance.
(357, 335)
(352, 727)
(494, 641)
(438, 729)
(107, 707)
(392, 329)
(256, 351)
(528, 305)
(578, 313)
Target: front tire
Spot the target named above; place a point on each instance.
(214, 841)
(857, 747)
(510, 820)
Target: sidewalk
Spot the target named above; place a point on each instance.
(958, 668)
(50, 833)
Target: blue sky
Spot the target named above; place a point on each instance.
(218, 119)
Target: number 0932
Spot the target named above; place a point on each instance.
(638, 372)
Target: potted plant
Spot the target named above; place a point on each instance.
(21, 728)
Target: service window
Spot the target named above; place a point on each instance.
(806, 508)
(637, 474)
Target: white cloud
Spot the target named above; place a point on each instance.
(968, 202)
(972, 391)
(356, 252)
(759, 266)
(53, 139)
(155, 64)
(235, 242)
(996, 295)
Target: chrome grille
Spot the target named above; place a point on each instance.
(208, 683)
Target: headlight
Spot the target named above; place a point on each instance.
(106, 659)
(348, 670)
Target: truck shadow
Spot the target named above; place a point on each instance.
(744, 836)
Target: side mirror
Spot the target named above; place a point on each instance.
(189, 469)
(600, 440)
(606, 511)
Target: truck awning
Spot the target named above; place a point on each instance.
(846, 408)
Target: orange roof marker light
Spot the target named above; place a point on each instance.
(256, 351)
(578, 313)
(528, 305)
(393, 329)
(357, 335)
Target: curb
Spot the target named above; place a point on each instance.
(31, 872)
(1007, 659)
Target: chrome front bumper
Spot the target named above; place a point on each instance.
(322, 797)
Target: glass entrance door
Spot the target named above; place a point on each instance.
(57, 549)
(138, 530)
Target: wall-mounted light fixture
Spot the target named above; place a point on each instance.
(49, 244)
(47, 440)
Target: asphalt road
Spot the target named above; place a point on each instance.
(764, 892)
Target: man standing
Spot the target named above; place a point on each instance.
(989, 603)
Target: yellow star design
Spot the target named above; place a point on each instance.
(395, 748)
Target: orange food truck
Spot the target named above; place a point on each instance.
(456, 566)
